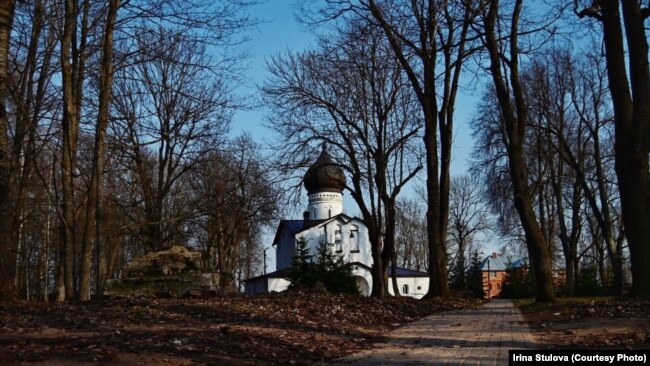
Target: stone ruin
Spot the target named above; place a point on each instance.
(174, 272)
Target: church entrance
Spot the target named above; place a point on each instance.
(362, 285)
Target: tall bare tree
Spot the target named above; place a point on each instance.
(631, 119)
(172, 113)
(430, 39)
(7, 255)
(235, 198)
(94, 211)
(501, 39)
(468, 216)
(410, 235)
(577, 127)
(96, 182)
(352, 95)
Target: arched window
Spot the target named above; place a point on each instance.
(354, 238)
(337, 239)
(405, 289)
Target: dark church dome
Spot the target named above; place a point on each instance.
(324, 175)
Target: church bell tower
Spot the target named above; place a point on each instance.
(324, 182)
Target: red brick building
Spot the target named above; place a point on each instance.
(495, 270)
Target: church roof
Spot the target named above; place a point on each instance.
(294, 227)
(405, 272)
(283, 273)
(324, 175)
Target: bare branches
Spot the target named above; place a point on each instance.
(352, 94)
(593, 11)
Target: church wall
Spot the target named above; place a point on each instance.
(364, 254)
(324, 205)
(256, 286)
(285, 250)
(355, 249)
(413, 283)
(277, 284)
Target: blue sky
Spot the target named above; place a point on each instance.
(280, 32)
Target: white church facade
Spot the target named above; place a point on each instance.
(324, 221)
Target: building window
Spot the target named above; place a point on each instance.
(337, 239)
(499, 286)
(405, 289)
(354, 238)
(493, 274)
(419, 287)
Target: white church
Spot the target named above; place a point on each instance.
(325, 221)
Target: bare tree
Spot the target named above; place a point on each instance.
(631, 120)
(577, 126)
(410, 235)
(235, 198)
(352, 95)
(171, 112)
(430, 39)
(441, 30)
(32, 62)
(501, 40)
(61, 58)
(7, 256)
(468, 216)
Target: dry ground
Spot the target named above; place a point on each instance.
(275, 329)
(600, 323)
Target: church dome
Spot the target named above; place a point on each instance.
(324, 175)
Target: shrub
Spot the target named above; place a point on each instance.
(329, 270)
(588, 284)
(519, 284)
(475, 276)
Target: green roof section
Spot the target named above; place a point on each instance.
(501, 263)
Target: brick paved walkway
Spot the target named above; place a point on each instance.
(480, 336)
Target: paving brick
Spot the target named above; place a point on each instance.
(480, 336)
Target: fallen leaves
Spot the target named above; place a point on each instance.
(299, 328)
(592, 323)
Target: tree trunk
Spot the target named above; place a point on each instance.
(632, 128)
(94, 209)
(7, 255)
(378, 270)
(438, 283)
(70, 126)
(538, 249)
(388, 253)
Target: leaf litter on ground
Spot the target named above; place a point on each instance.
(299, 328)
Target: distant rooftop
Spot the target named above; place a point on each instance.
(501, 263)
